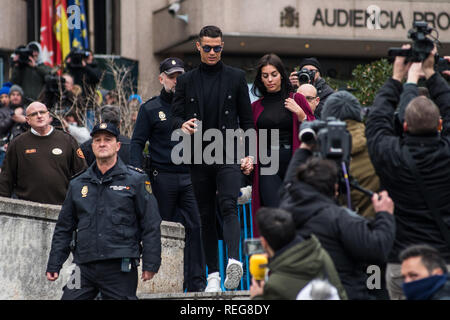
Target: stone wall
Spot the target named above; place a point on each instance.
(26, 231)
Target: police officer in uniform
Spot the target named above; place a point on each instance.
(109, 209)
(171, 183)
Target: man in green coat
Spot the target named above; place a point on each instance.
(293, 261)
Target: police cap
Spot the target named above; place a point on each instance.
(107, 127)
(171, 65)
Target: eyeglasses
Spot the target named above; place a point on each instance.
(309, 98)
(216, 49)
(41, 113)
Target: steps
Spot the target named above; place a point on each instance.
(227, 295)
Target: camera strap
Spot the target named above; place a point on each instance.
(427, 196)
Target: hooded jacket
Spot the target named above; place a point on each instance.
(32, 80)
(351, 240)
(294, 266)
(362, 170)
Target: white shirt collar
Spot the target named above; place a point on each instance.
(37, 133)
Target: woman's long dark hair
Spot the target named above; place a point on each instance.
(258, 88)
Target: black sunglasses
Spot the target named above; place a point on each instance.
(216, 49)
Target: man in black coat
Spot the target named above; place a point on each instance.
(215, 95)
(352, 241)
(430, 152)
(109, 217)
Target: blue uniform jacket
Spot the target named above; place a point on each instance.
(112, 216)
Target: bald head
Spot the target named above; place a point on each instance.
(35, 106)
(310, 93)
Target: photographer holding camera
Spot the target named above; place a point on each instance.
(84, 70)
(311, 73)
(28, 70)
(351, 240)
(414, 168)
(293, 261)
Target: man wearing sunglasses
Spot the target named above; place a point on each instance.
(40, 162)
(216, 96)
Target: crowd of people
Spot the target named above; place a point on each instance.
(115, 191)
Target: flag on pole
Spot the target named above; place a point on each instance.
(78, 33)
(46, 33)
(61, 30)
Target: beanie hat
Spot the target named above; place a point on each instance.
(312, 62)
(16, 88)
(342, 105)
(4, 90)
(135, 96)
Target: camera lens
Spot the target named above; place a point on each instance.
(303, 77)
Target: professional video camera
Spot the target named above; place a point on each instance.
(306, 76)
(332, 141)
(77, 56)
(331, 138)
(422, 45)
(24, 54)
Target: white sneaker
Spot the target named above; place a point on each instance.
(234, 274)
(213, 283)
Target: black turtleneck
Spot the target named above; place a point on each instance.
(210, 85)
(276, 116)
(166, 96)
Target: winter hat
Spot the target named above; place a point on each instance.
(16, 88)
(311, 62)
(135, 96)
(342, 105)
(4, 90)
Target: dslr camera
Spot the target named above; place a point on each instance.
(421, 47)
(77, 56)
(306, 76)
(331, 137)
(24, 54)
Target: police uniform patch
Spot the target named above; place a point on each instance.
(103, 126)
(30, 151)
(148, 187)
(84, 191)
(80, 153)
(162, 116)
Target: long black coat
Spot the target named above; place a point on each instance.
(414, 221)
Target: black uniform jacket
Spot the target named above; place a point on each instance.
(415, 223)
(112, 216)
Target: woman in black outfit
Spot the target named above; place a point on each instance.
(278, 108)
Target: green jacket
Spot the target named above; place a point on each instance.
(31, 80)
(294, 268)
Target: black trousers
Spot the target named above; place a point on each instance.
(176, 202)
(104, 277)
(269, 185)
(222, 182)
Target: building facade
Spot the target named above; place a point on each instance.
(341, 33)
